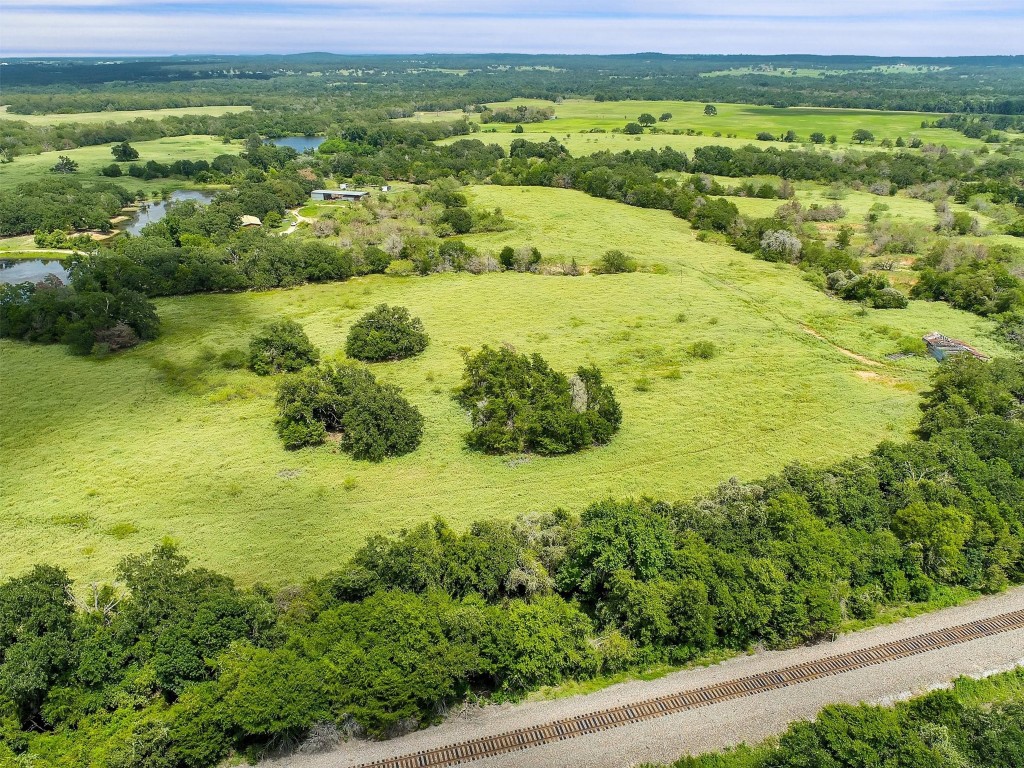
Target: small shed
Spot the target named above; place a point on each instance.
(251, 221)
(385, 188)
(348, 195)
(942, 347)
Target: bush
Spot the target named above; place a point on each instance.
(615, 262)
(873, 289)
(386, 333)
(702, 350)
(281, 346)
(459, 219)
(373, 420)
(517, 403)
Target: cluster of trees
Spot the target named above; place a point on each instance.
(975, 723)
(990, 128)
(518, 404)
(372, 420)
(176, 667)
(518, 114)
(58, 238)
(60, 203)
(201, 171)
(88, 319)
(978, 279)
(975, 278)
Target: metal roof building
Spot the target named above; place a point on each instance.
(942, 347)
(349, 195)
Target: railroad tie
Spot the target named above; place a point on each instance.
(751, 685)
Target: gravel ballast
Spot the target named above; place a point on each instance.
(749, 719)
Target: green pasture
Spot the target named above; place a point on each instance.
(92, 159)
(580, 144)
(12, 247)
(121, 116)
(743, 120)
(99, 458)
(777, 72)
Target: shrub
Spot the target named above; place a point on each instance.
(281, 346)
(716, 214)
(615, 262)
(702, 350)
(386, 333)
(459, 219)
(373, 420)
(780, 245)
(517, 403)
(873, 289)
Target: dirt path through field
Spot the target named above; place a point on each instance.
(842, 350)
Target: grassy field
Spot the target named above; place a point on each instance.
(102, 458)
(91, 159)
(120, 116)
(745, 121)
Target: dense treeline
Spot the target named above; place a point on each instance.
(975, 723)
(176, 667)
(445, 81)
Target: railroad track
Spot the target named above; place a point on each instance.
(605, 719)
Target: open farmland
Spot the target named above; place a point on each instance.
(744, 121)
(160, 441)
(91, 159)
(120, 116)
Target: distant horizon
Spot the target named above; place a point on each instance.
(889, 29)
(398, 54)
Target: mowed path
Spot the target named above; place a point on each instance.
(747, 719)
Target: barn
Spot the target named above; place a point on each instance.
(348, 195)
(940, 347)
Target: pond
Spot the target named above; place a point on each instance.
(155, 210)
(299, 143)
(14, 271)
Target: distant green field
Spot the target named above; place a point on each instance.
(118, 116)
(91, 159)
(743, 120)
(777, 72)
(102, 458)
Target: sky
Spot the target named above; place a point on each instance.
(159, 27)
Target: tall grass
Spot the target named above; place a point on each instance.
(168, 441)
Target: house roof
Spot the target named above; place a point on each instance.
(346, 192)
(250, 221)
(936, 340)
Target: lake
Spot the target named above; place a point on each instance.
(14, 271)
(299, 143)
(155, 210)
